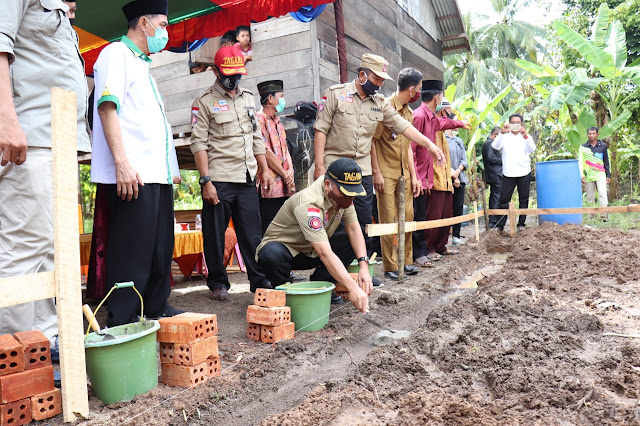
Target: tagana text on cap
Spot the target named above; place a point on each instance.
(348, 175)
(377, 64)
(230, 61)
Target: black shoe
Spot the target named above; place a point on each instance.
(336, 300)
(376, 282)
(55, 352)
(220, 294)
(411, 269)
(265, 284)
(392, 275)
(521, 228)
(294, 278)
(170, 311)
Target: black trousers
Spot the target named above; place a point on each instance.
(364, 210)
(494, 201)
(139, 249)
(419, 215)
(508, 185)
(269, 208)
(458, 205)
(277, 263)
(240, 202)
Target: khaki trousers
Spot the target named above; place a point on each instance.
(601, 186)
(388, 213)
(26, 237)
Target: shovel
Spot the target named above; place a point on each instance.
(88, 314)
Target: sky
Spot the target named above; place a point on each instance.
(536, 13)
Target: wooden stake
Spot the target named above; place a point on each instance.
(512, 219)
(401, 223)
(475, 206)
(484, 207)
(75, 402)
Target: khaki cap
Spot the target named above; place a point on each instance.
(377, 64)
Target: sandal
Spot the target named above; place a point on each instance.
(423, 261)
(450, 252)
(434, 257)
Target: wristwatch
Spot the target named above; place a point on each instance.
(363, 259)
(204, 179)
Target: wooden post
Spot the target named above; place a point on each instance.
(484, 207)
(401, 223)
(512, 219)
(475, 206)
(75, 400)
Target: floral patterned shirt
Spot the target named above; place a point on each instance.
(275, 140)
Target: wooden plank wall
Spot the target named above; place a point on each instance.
(381, 27)
(281, 50)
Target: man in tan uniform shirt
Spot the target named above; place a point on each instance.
(229, 152)
(392, 157)
(303, 234)
(347, 119)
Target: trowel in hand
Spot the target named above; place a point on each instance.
(88, 314)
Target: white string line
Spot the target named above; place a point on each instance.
(229, 367)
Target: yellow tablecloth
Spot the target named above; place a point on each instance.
(187, 242)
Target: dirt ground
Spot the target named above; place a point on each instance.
(527, 346)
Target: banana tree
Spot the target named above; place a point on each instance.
(606, 51)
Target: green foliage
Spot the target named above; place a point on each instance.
(186, 195)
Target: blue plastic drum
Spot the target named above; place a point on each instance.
(559, 186)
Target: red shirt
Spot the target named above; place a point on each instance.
(428, 124)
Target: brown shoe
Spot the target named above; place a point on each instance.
(220, 294)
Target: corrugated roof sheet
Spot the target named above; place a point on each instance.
(453, 35)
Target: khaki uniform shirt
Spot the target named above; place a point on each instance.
(306, 217)
(228, 130)
(391, 147)
(43, 53)
(442, 174)
(350, 122)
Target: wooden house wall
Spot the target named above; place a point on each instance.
(381, 27)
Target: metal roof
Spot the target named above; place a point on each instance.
(453, 35)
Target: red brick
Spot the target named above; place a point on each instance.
(11, 355)
(26, 384)
(341, 288)
(16, 413)
(270, 298)
(36, 349)
(184, 375)
(275, 334)
(213, 366)
(268, 316)
(253, 331)
(46, 405)
(166, 353)
(195, 353)
(210, 322)
(187, 328)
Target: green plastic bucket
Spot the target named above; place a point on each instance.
(310, 303)
(354, 268)
(126, 366)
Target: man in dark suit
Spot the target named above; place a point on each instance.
(492, 173)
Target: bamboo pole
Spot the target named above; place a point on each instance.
(401, 226)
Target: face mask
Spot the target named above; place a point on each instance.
(72, 20)
(158, 41)
(415, 97)
(230, 82)
(281, 105)
(369, 88)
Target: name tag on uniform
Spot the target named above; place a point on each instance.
(376, 109)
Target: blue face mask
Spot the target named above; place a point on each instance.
(158, 41)
(281, 105)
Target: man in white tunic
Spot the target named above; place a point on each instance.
(131, 162)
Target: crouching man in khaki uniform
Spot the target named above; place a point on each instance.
(302, 235)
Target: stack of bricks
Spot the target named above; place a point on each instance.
(268, 318)
(188, 349)
(341, 290)
(27, 390)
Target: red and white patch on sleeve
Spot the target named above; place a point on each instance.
(313, 211)
(315, 223)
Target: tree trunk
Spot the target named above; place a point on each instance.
(600, 109)
(614, 192)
